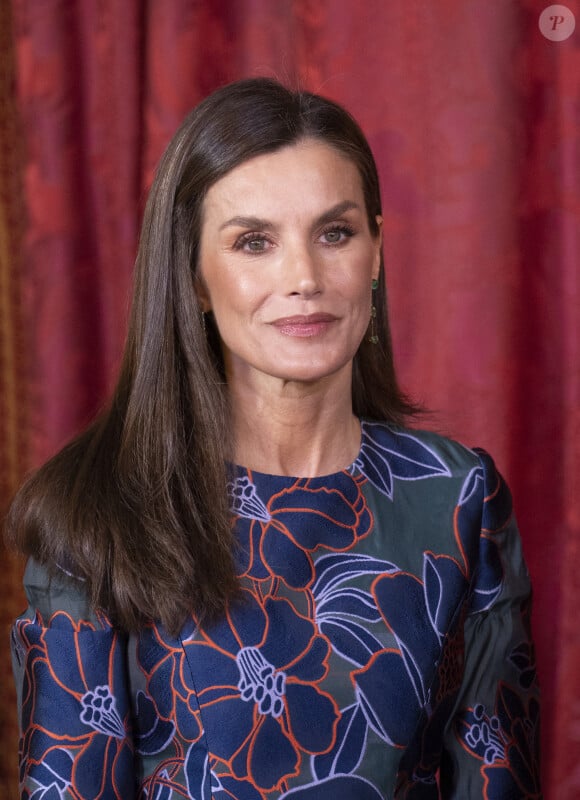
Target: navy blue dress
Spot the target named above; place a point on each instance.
(381, 650)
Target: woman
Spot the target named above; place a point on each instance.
(248, 579)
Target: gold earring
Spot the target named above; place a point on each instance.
(373, 338)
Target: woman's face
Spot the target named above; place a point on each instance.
(286, 265)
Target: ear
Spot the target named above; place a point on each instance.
(202, 294)
(379, 247)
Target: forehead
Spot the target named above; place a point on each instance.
(306, 175)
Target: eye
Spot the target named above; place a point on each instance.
(252, 242)
(337, 234)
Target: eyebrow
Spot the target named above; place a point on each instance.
(264, 224)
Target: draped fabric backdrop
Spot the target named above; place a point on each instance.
(13, 445)
(474, 117)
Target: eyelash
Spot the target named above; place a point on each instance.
(252, 236)
(339, 227)
(246, 238)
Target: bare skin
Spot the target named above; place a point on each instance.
(287, 262)
(290, 429)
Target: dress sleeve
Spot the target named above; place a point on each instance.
(73, 700)
(492, 741)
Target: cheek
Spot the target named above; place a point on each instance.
(221, 285)
(358, 286)
(236, 299)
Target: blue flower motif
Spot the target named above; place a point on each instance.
(173, 703)
(507, 744)
(75, 709)
(278, 538)
(244, 500)
(260, 682)
(99, 711)
(484, 736)
(152, 733)
(267, 709)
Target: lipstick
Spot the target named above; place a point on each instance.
(304, 325)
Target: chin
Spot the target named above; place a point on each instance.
(311, 373)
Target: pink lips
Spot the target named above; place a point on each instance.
(304, 325)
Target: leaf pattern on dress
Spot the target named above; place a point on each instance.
(347, 753)
(54, 773)
(197, 772)
(337, 788)
(344, 612)
(52, 792)
(419, 626)
(334, 569)
(387, 454)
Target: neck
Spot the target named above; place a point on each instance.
(287, 428)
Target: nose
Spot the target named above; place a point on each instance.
(301, 271)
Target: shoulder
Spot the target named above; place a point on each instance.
(419, 445)
(54, 591)
(392, 454)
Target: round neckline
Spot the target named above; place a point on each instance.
(350, 469)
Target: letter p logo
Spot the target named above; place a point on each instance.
(557, 23)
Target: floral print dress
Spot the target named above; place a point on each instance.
(381, 650)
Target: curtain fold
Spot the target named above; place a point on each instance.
(12, 393)
(473, 116)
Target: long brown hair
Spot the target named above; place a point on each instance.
(137, 505)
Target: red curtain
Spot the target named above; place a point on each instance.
(12, 438)
(473, 114)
